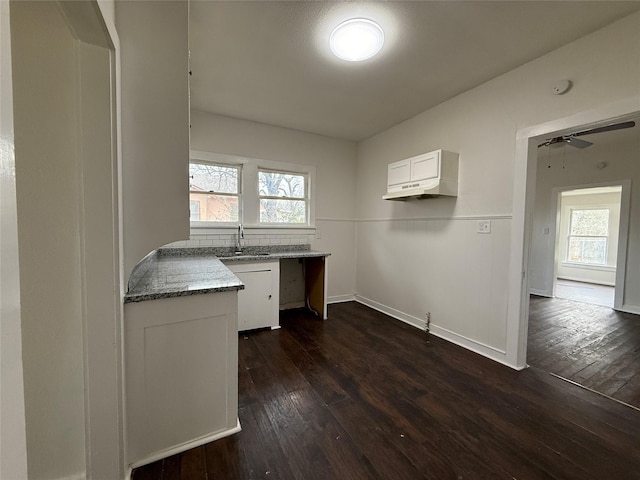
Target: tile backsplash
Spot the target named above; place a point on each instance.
(250, 239)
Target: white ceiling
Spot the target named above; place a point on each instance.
(269, 61)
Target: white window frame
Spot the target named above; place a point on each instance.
(607, 237)
(249, 207)
(207, 224)
(191, 203)
(305, 199)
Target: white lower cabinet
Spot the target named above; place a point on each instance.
(259, 302)
(181, 373)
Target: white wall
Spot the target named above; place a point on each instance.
(424, 255)
(13, 444)
(622, 160)
(155, 125)
(47, 182)
(334, 160)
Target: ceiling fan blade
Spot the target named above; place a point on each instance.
(576, 142)
(608, 128)
(551, 141)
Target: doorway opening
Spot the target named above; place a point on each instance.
(586, 244)
(580, 324)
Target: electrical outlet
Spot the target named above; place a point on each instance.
(318, 235)
(484, 226)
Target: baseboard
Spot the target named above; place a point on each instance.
(630, 309)
(480, 348)
(583, 280)
(185, 446)
(540, 293)
(341, 298)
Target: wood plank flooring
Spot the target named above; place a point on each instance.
(361, 396)
(591, 345)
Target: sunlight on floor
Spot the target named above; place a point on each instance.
(585, 292)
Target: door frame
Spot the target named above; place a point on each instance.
(98, 74)
(623, 233)
(524, 182)
(13, 441)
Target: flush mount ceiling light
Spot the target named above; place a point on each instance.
(356, 39)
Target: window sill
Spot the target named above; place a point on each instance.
(263, 229)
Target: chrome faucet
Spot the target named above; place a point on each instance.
(240, 237)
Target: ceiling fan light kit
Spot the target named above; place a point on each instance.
(571, 139)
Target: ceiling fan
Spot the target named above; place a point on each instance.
(571, 139)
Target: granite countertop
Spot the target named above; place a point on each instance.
(250, 257)
(177, 272)
(178, 276)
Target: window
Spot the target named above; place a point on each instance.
(214, 192)
(258, 193)
(282, 197)
(588, 236)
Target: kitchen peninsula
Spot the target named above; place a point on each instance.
(182, 312)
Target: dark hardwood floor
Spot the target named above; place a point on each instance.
(591, 345)
(361, 396)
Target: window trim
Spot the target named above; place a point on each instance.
(248, 215)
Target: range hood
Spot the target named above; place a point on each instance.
(417, 190)
(424, 176)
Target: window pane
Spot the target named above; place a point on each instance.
(588, 250)
(590, 222)
(213, 178)
(283, 211)
(194, 209)
(214, 208)
(273, 184)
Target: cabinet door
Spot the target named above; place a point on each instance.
(181, 372)
(255, 301)
(425, 166)
(398, 172)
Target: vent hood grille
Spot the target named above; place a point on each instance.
(412, 193)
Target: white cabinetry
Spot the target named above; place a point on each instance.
(425, 166)
(181, 373)
(398, 173)
(259, 302)
(413, 169)
(429, 174)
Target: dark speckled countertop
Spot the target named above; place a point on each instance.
(178, 272)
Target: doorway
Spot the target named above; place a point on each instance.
(586, 244)
(577, 261)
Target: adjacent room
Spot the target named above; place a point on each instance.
(579, 327)
(309, 239)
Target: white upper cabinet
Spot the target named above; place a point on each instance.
(399, 172)
(426, 175)
(425, 166)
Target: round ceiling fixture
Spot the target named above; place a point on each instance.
(356, 39)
